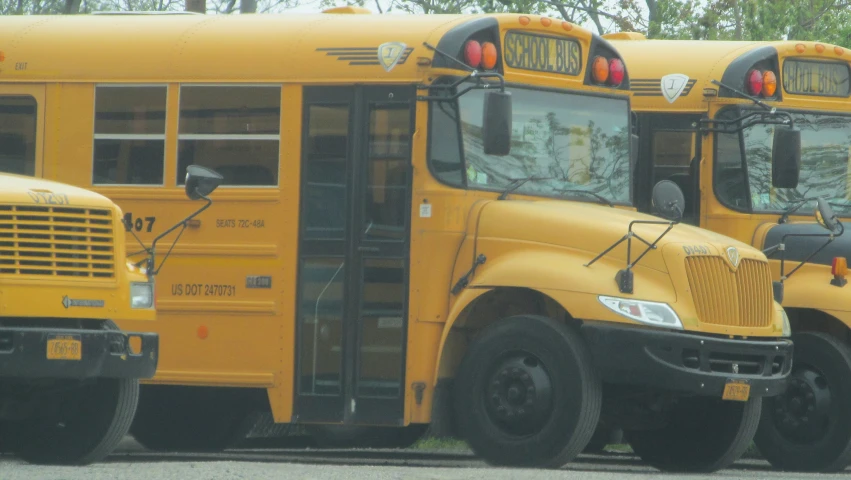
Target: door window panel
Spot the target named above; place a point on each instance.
(386, 199)
(382, 317)
(321, 325)
(324, 188)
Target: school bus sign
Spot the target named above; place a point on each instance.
(807, 77)
(543, 53)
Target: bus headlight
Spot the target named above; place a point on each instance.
(650, 313)
(141, 295)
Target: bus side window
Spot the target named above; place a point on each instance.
(129, 144)
(731, 185)
(445, 149)
(17, 134)
(232, 129)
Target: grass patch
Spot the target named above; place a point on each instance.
(752, 452)
(433, 443)
(619, 448)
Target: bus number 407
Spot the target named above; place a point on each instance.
(139, 223)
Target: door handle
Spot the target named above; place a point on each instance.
(369, 249)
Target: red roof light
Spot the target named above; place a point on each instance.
(473, 53)
(754, 82)
(616, 72)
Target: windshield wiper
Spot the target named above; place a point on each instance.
(517, 183)
(599, 197)
(769, 116)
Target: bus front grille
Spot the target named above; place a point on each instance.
(723, 297)
(63, 242)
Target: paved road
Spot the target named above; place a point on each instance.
(131, 462)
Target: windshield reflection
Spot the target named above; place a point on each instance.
(745, 180)
(564, 141)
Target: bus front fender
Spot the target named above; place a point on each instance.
(559, 276)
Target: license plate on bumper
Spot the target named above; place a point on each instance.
(736, 391)
(64, 347)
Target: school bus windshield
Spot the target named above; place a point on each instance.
(565, 143)
(743, 179)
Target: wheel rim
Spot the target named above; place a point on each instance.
(802, 413)
(518, 396)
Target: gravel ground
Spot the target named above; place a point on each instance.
(132, 462)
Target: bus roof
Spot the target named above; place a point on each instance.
(233, 48)
(705, 60)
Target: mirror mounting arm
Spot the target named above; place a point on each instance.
(152, 269)
(745, 96)
(624, 277)
(770, 117)
(782, 249)
(478, 76)
(479, 85)
(708, 125)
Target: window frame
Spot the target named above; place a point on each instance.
(536, 88)
(36, 131)
(129, 136)
(744, 163)
(180, 179)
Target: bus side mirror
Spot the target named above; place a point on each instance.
(496, 123)
(786, 157)
(668, 201)
(201, 181)
(825, 216)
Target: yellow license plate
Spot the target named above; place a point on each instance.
(64, 347)
(737, 391)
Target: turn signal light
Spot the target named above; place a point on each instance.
(839, 269)
(600, 70)
(769, 83)
(488, 56)
(759, 83)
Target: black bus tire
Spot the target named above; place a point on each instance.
(526, 394)
(703, 435)
(190, 419)
(5, 438)
(86, 426)
(808, 428)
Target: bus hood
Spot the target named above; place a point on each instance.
(19, 189)
(591, 228)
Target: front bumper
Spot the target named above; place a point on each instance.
(101, 353)
(685, 362)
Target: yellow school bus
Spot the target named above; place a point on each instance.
(422, 219)
(69, 371)
(708, 115)
(69, 377)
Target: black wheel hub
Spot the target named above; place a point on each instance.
(802, 413)
(518, 394)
